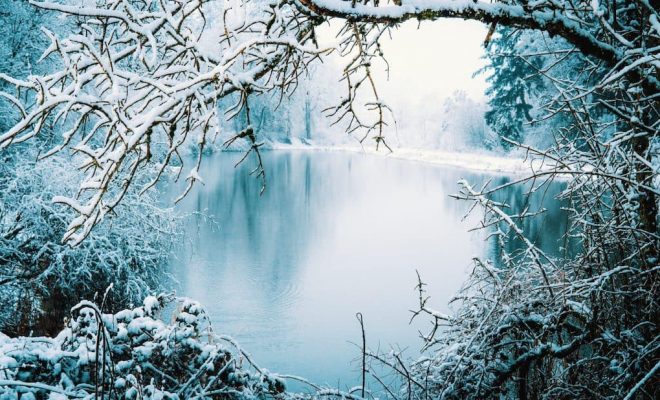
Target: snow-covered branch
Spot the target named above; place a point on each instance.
(576, 22)
(136, 84)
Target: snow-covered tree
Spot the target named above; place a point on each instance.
(20, 48)
(514, 82)
(464, 126)
(136, 84)
(40, 277)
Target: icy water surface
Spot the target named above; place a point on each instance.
(334, 234)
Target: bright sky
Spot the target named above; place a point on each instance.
(437, 59)
(433, 61)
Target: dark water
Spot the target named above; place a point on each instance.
(334, 234)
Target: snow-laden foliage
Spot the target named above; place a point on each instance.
(39, 276)
(164, 349)
(21, 45)
(455, 123)
(538, 327)
(513, 81)
(463, 125)
(529, 72)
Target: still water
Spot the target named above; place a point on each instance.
(334, 234)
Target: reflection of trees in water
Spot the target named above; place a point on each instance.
(264, 233)
(267, 232)
(548, 230)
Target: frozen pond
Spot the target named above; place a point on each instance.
(334, 234)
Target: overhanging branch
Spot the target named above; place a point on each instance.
(547, 17)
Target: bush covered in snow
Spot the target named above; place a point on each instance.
(133, 354)
(40, 276)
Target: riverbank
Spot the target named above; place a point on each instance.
(474, 161)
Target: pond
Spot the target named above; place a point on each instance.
(334, 234)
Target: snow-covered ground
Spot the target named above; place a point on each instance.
(483, 162)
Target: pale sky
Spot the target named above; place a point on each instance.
(437, 59)
(432, 61)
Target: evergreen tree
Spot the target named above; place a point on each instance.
(514, 82)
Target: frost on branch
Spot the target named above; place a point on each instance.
(533, 326)
(362, 109)
(135, 84)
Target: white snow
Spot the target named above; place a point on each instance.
(194, 175)
(482, 162)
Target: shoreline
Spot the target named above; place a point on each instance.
(478, 162)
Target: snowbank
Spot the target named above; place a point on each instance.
(482, 162)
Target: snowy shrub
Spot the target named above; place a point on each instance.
(133, 354)
(40, 277)
(534, 326)
(540, 340)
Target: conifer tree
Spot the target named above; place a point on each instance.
(513, 84)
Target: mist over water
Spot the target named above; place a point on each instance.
(334, 234)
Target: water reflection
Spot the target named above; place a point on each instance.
(546, 230)
(334, 234)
